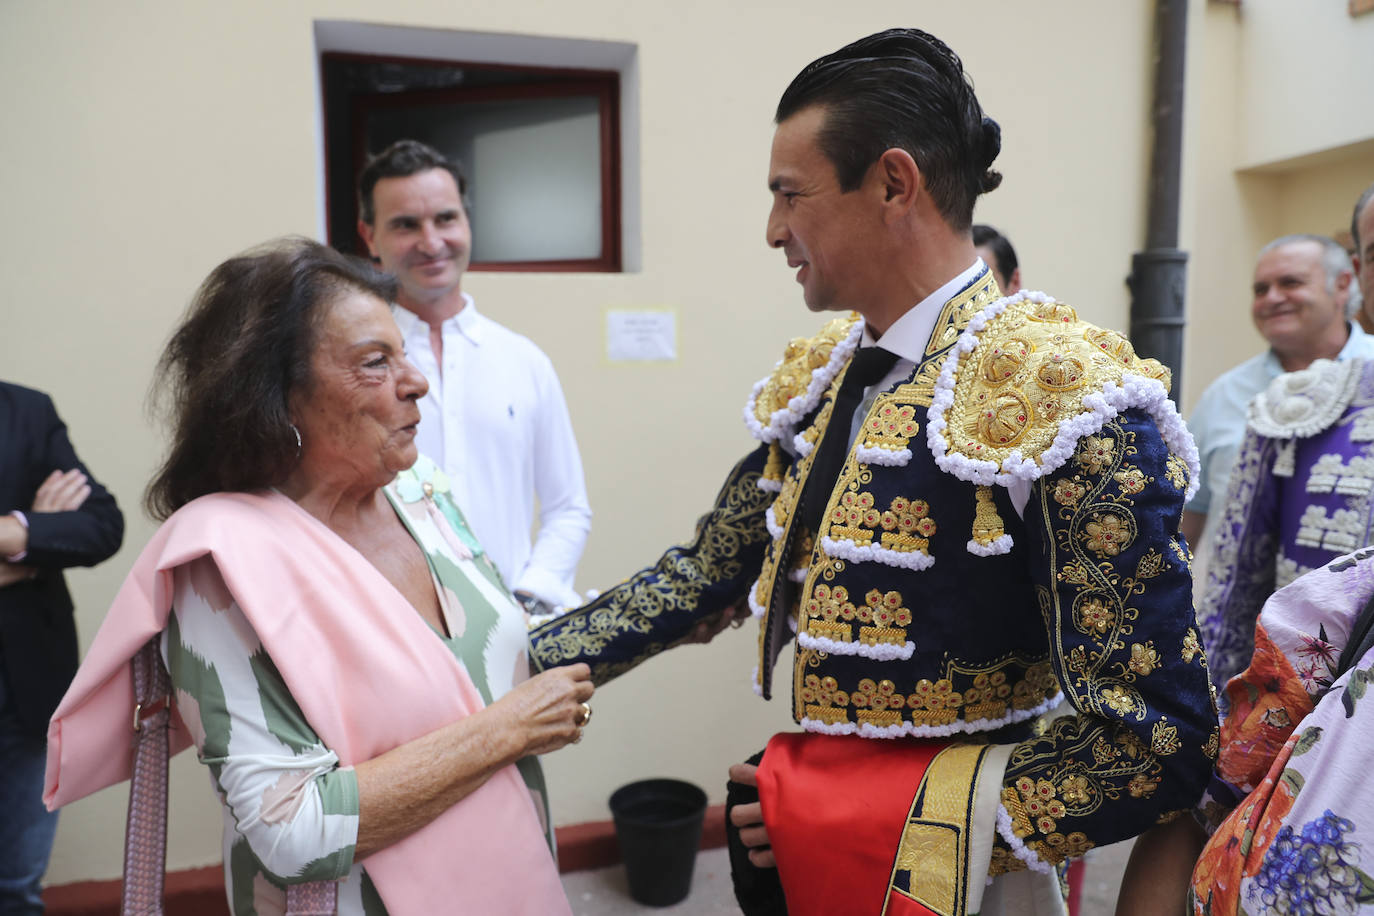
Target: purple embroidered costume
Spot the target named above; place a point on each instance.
(1299, 496)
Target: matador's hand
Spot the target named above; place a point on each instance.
(749, 819)
(711, 627)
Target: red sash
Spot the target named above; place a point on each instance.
(847, 820)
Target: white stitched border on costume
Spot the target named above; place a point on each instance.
(883, 652)
(1018, 848)
(785, 417)
(907, 729)
(871, 553)
(1135, 391)
(998, 547)
(887, 457)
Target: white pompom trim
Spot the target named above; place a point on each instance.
(769, 486)
(1135, 391)
(1018, 848)
(754, 607)
(883, 652)
(755, 682)
(799, 574)
(771, 521)
(887, 457)
(871, 553)
(802, 445)
(998, 547)
(907, 729)
(784, 418)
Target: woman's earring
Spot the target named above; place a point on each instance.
(298, 439)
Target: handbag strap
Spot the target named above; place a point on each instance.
(145, 839)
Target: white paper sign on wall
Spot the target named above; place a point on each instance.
(647, 335)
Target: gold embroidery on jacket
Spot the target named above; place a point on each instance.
(971, 693)
(1092, 516)
(904, 526)
(987, 524)
(1034, 365)
(584, 632)
(776, 466)
(936, 846)
(829, 613)
(1177, 472)
(889, 425)
(956, 314)
(792, 377)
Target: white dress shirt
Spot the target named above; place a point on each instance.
(907, 337)
(495, 420)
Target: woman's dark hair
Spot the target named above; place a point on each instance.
(902, 89)
(229, 371)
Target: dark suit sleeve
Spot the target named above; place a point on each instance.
(84, 536)
(1114, 582)
(659, 606)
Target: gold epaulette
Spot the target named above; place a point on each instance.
(1002, 410)
(800, 379)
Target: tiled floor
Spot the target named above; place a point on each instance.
(603, 892)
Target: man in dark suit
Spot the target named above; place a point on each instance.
(53, 514)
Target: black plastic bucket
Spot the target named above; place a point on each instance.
(658, 826)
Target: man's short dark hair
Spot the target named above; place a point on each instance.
(904, 89)
(400, 160)
(985, 236)
(1360, 204)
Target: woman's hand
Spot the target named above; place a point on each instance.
(408, 786)
(547, 709)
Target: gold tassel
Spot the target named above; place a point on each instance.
(776, 465)
(987, 524)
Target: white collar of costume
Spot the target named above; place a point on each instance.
(909, 334)
(1298, 405)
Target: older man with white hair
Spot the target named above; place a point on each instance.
(1301, 288)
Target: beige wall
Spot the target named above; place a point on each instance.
(1280, 139)
(146, 141)
(1317, 96)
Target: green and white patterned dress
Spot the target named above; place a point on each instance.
(290, 809)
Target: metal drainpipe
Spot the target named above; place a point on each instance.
(1159, 272)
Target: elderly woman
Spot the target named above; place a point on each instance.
(347, 663)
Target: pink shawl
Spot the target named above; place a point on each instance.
(364, 667)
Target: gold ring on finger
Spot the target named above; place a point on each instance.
(586, 716)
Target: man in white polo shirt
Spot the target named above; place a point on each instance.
(494, 419)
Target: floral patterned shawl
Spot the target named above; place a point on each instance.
(1297, 742)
